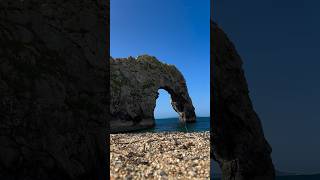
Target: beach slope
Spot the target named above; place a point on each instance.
(168, 155)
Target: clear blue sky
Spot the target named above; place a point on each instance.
(176, 32)
(279, 42)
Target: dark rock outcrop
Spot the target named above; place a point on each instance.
(53, 89)
(238, 142)
(134, 90)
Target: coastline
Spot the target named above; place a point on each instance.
(164, 155)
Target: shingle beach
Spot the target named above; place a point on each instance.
(169, 155)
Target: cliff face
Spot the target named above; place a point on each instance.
(53, 107)
(134, 90)
(238, 142)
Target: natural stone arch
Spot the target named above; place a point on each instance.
(134, 90)
(238, 143)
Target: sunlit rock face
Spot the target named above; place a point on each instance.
(134, 90)
(238, 142)
(53, 79)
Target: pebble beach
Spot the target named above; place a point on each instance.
(167, 155)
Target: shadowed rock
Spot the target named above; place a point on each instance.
(134, 91)
(237, 137)
(53, 107)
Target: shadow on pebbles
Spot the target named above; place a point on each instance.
(169, 155)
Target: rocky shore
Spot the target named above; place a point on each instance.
(168, 155)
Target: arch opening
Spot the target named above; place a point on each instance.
(163, 108)
(165, 116)
(180, 103)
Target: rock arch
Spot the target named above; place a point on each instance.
(238, 143)
(134, 89)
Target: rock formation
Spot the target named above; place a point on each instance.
(134, 90)
(238, 143)
(53, 106)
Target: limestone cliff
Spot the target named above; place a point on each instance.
(53, 105)
(134, 90)
(238, 143)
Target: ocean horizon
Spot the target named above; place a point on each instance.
(173, 124)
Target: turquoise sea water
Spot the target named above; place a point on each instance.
(173, 124)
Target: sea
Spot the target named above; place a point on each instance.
(294, 177)
(173, 124)
(215, 173)
(299, 177)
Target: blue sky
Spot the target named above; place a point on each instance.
(176, 32)
(279, 42)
